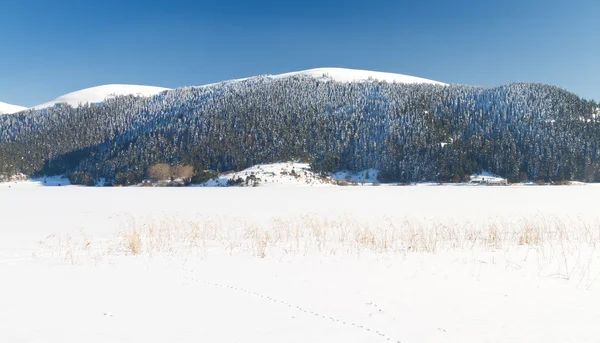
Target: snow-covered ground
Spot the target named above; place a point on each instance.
(299, 264)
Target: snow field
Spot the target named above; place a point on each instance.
(299, 264)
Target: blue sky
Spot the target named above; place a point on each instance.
(49, 48)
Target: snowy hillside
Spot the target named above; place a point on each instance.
(345, 75)
(287, 173)
(290, 174)
(8, 108)
(100, 93)
(354, 75)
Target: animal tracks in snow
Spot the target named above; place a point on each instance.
(296, 307)
(377, 309)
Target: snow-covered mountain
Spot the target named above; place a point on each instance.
(345, 75)
(8, 108)
(354, 75)
(100, 93)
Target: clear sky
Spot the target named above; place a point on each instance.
(49, 48)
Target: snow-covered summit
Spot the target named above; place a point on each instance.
(355, 75)
(8, 108)
(343, 75)
(100, 93)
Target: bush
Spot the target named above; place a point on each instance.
(235, 181)
(185, 173)
(201, 176)
(252, 180)
(81, 178)
(128, 178)
(160, 172)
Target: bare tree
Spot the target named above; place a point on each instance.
(159, 172)
(183, 172)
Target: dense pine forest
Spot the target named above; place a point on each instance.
(410, 132)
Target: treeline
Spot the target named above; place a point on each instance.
(416, 132)
(161, 174)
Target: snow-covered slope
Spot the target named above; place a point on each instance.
(100, 93)
(291, 174)
(354, 75)
(274, 174)
(345, 75)
(8, 108)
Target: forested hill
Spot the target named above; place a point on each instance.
(410, 132)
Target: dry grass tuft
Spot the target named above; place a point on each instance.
(133, 242)
(318, 234)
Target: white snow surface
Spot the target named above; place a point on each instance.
(67, 275)
(101, 93)
(9, 109)
(50, 181)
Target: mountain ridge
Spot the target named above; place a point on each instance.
(100, 93)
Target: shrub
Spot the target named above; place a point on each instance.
(201, 176)
(81, 178)
(121, 179)
(159, 172)
(235, 181)
(252, 180)
(128, 179)
(185, 173)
